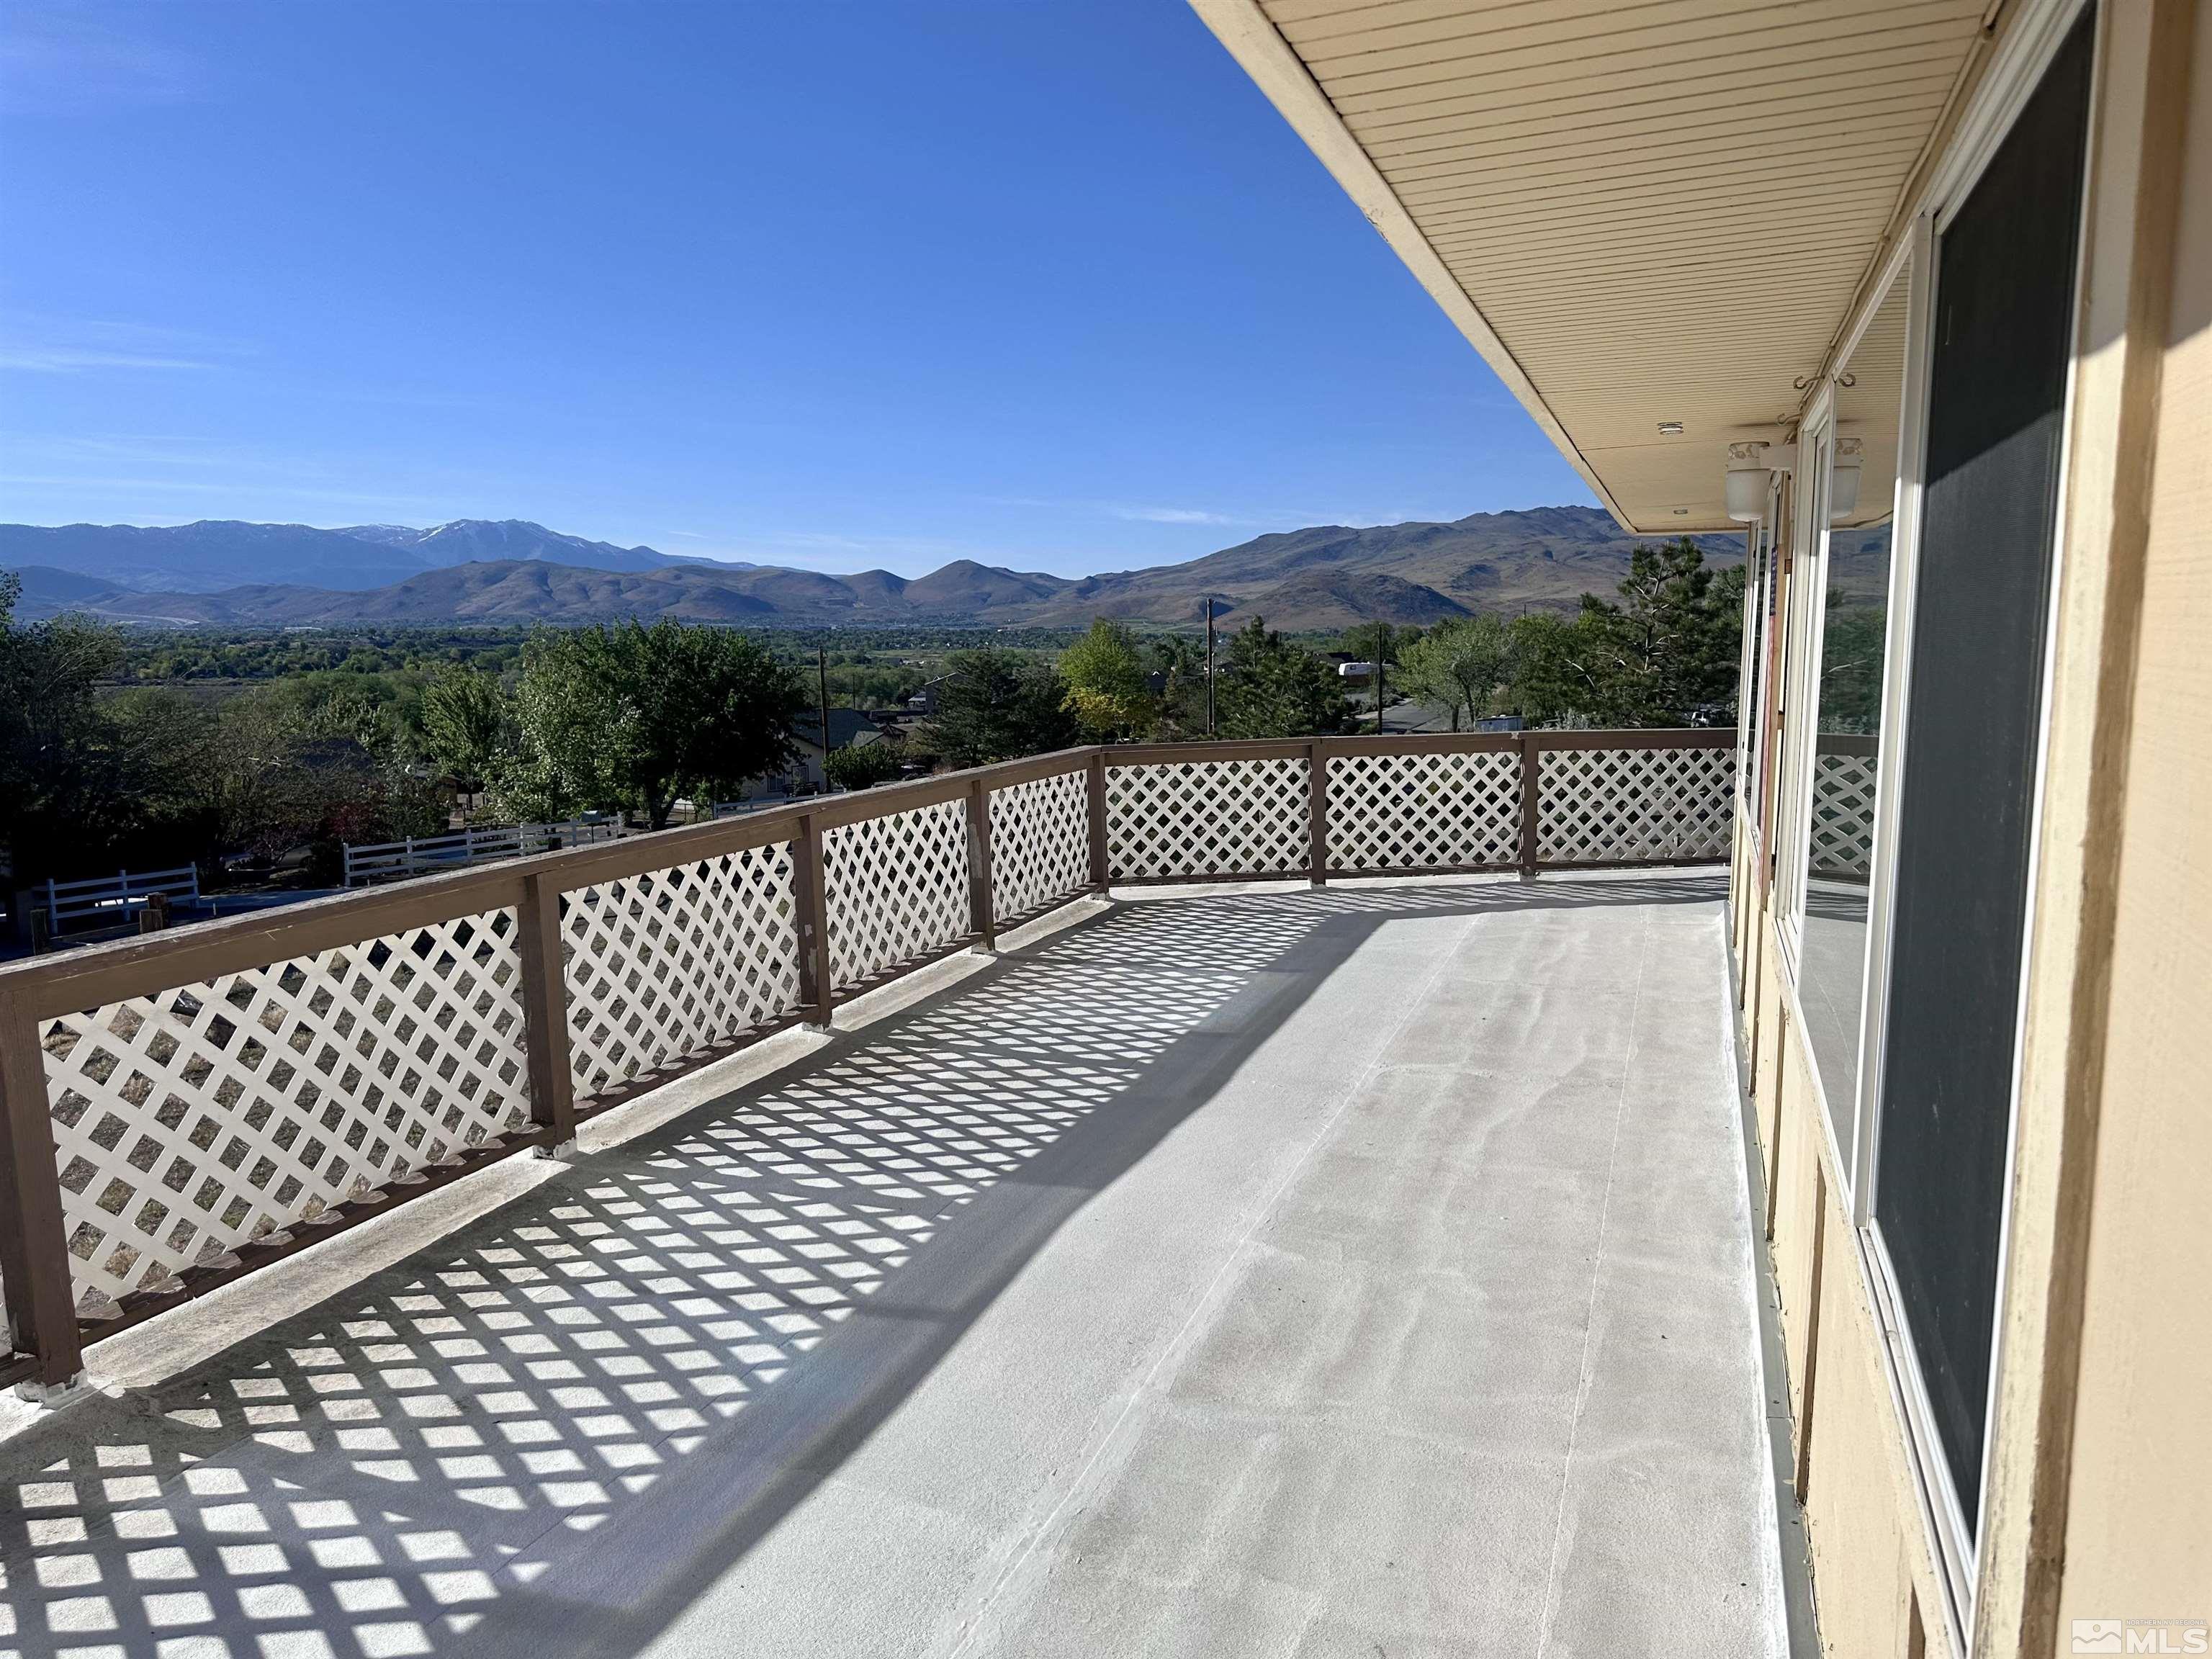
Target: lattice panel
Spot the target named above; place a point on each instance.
(1843, 815)
(1623, 806)
(672, 964)
(1414, 811)
(1206, 818)
(1040, 842)
(897, 889)
(191, 1122)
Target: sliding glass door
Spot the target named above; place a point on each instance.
(1998, 367)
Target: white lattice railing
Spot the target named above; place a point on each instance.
(1438, 810)
(1600, 803)
(216, 1114)
(1174, 817)
(1844, 810)
(897, 888)
(217, 1096)
(672, 964)
(1040, 843)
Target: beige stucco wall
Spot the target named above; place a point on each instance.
(1874, 1571)
(1797, 1214)
(2103, 1467)
(2139, 1518)
(1861, 1552)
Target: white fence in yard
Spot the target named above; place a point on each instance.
(420, 855)
(115, 899)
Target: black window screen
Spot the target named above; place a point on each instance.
(2002, 332)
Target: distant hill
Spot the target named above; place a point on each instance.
(217, 553)
(1545, 557)
(512, 572)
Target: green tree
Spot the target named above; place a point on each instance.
(861, 766)
(994, 705)
(1459, 663)
(1108, 690)
(1852, 655)
(468, 727)
(1665, 654)
(171, 759)
(628, 716)
(1181, 664)
(1273, 688)
(301, 768)
(262, 804)
(357, 709)
(1554, 672)
(64, 782)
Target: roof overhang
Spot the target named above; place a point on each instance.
(1644, 218)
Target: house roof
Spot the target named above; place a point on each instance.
(847, 726)
(1659, 213)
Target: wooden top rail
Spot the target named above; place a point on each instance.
(1415, 743)
(45, 987)
(1688, 737)
(1188, 754)
(1424, 743)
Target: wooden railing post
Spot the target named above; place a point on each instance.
(810, 907)
(35, 1258)
(1316, 814)
(1099, 864)
(545, 1015)
(1532, 767)
(982, 919)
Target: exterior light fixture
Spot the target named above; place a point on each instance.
(1670, 429)
(1843, 478)
(1748, 472)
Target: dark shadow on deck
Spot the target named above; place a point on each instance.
(547, 1433)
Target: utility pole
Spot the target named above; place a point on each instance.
(1209, 665)
(822, 685)
(1382, 654)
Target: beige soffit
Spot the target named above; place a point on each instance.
(1640, 211)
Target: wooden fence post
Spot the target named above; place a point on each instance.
(812, 918)
(1099, 864)
(545, 1015)
(982, 911)
(34, 1258)
(1316, 814)
(1532, 767)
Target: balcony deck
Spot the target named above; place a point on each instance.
(1358, 1270)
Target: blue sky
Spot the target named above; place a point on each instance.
(1047, 284)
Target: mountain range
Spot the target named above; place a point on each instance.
(217, 553)
(235, 574)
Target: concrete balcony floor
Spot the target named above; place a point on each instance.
(1346, 1271)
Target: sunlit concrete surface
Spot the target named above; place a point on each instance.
(1361, 1271)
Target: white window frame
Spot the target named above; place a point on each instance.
(2017, 69)
(1821, 433)
(1759, 736)
(1801, 685)
(1746, 673)
(1914, 264)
